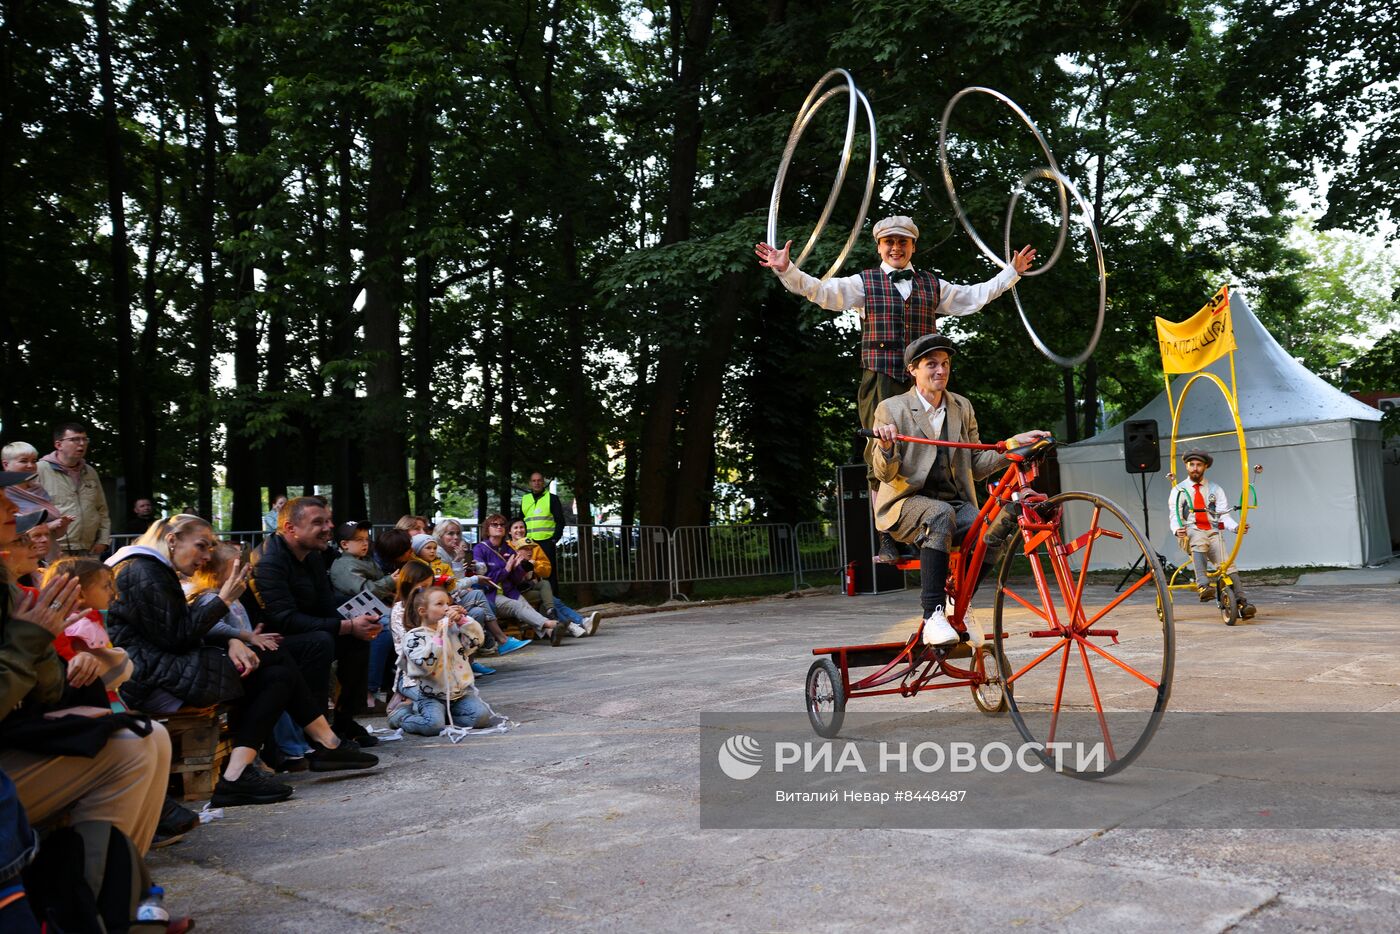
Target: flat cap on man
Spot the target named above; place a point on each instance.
(897, 226)
(921, 347)
(1201, 456)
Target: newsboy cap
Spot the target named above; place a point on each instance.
(921, 347)
(1201, 456)
(898, 226)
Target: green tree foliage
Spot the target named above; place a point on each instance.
(410, 251)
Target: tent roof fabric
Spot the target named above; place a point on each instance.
(1275, 390)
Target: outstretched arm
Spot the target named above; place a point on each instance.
(843, 294)
(957, 300)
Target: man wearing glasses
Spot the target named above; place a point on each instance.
(75, 489)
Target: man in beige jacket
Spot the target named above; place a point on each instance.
(928, 494)
(76, 491)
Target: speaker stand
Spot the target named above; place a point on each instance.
(1167, 567)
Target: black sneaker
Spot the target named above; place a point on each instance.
(176, 819)
(351, 730)
(347, 755)
(889, 551)
(293, 764)
(556, 635)
(252, 787)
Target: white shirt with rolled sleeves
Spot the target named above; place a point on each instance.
(1220, 515)
(848, 292)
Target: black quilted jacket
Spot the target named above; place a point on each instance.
(165, 638)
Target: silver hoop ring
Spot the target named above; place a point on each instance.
(1004, 263)
(814, 102)
(1065, 185)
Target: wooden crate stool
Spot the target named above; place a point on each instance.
(198, 747)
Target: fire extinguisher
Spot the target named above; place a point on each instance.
(851, 579)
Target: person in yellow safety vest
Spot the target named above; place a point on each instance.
(544, 519)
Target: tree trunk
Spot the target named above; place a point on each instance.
(691, 35)
(385, 446)
(206, 244)
(505, 440)
(246, 198)
(128, 431)
(425, 270)
(348, 485)
(143, 484)
(484, 356)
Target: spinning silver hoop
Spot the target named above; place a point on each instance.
(987, 251)
(815, 99)
(1065, 184)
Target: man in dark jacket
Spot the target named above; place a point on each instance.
(293, 597)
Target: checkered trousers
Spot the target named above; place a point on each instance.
(891, 322)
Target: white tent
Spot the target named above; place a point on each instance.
(1321, 499)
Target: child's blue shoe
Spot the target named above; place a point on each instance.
(482, 669)
(510, 645)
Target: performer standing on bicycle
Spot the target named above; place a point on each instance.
(897, 304)
(927, 493)
(1199, 510)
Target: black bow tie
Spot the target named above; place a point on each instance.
(899, 275)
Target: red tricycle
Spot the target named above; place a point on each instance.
(1116, 691)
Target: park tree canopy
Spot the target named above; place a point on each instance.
(419, 249)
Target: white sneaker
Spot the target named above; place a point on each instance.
(938, 632)
(975, 635)
(591, 624)
(577, 631)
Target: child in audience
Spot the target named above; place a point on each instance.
(288, 748)
(84, 644)
(435, 666)
(354, 570)
(537, 588)
(465, 594)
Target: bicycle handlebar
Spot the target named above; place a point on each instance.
(1041, 445)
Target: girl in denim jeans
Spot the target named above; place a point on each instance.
(435, 666)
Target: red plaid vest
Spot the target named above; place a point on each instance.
(890, 322)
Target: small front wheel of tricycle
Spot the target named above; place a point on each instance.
(1229, 606)
(989, 696)
(826, 698)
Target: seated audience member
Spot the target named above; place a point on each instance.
(123, 784)
(98, 667)
(84, 644)
(505, 573)
(31, 495)
(288, 749)
(34, 536)
(270, 517)
(353, 571)
(415, 576)
(294, 598)
(413, 525)
(538, 588)
(178, 661)
(434, 673)
(393, 548)
(453, 548)
(425, 549)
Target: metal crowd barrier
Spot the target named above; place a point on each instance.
(724, 552)
(612, 554)
(818, 548)
(649, 554)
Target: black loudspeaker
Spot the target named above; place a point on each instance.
(1142, 450)
(858, 536)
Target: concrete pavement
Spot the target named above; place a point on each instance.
(586, 818)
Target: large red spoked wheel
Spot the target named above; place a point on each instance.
(1086, 665)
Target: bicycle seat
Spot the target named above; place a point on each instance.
(1033, 451)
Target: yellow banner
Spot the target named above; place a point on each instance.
(1201, 339)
